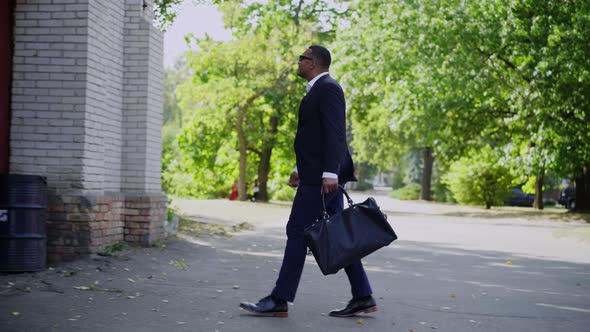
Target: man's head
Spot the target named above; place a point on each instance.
(314, 61)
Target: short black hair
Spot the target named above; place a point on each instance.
(321, 55)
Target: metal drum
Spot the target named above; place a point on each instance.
(23, 223)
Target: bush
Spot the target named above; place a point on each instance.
(284, 193)
(362, 185)
(398, 180)
(409, 192)
(479, 179)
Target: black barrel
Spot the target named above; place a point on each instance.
(23, 223)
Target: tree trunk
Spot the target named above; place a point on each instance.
(263, 170)
(265, 156)
(242, 192)
(539, 191)
(425, 192)
(582, 199)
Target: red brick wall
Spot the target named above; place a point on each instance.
(80, 225)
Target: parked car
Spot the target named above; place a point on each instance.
(520, 198)
(567, 197)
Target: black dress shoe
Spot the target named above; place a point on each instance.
(267, 307)
(355, 306)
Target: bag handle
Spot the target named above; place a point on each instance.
(325, 214)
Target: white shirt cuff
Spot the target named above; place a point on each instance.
(325, 175)
(328, 175)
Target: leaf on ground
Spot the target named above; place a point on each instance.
(453, 295)
(275, 270)
(359, 321)
(179, 264)
(15, 313)
(508, 262)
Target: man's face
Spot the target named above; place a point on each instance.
(306, 63)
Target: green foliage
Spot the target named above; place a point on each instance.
(179, 264)
(363, 185)
(161, 245)
(529, 186)
(283, 193)
(452, 75)
(113, 249)
(409, 192)
(165, 11)
(440, 190)
(239, 107)
(414, 167)
(398, 178)
(170, 214)
(479, 179)
(458, 75)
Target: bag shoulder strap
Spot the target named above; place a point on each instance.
(325, 214)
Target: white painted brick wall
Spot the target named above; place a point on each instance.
(47, 114)
(143, 81)
(87, 95)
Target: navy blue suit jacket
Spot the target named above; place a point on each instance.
(320, 143)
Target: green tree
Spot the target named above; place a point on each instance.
(479, 179)
(244, 94)
(454, 75)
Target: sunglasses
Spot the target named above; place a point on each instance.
(303, 57)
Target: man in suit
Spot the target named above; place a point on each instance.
(323, 162)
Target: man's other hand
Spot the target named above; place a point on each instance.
(329, 185)
(294, 180)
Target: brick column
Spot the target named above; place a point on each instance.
(144, 219)
(86, 110)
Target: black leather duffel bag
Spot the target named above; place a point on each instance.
(340, 240)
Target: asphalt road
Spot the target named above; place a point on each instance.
(453, 269)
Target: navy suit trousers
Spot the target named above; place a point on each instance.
(307, 207)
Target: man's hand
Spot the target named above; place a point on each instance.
(294, 180)
(329, 185)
